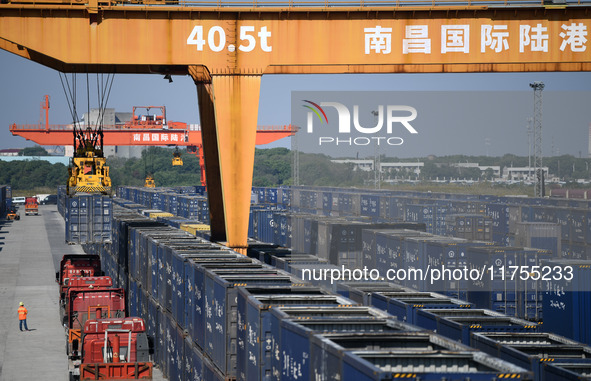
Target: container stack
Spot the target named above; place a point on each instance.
(500, 289)
(540, 235)
(567, 301)
(5, 199)
(535, 228)
(88, 218)
(475, 227)
(547, 355)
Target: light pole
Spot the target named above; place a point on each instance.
(537, 128)
(376, 164)
(530, 131)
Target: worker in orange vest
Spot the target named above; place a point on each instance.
(22, 316)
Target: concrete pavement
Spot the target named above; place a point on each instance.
(30, 251)
(27, 274)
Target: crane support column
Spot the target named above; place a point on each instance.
(212, 159)
(229, 111)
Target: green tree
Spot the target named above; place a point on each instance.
(34, 151)
(272, 167)
(488, 174)
(433, 171)
(30, 174)
(470, 174)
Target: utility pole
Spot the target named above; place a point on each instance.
(530, 131)
(537, 129)
(376, 163)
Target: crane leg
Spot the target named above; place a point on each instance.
(212, 161)
(228, 108)
(198, 152)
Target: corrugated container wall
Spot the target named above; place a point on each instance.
(567, 303)
(88, 218)
(539, 235)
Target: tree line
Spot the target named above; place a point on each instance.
(273, 167)
(25, 175)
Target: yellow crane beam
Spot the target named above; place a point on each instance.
(231, 42)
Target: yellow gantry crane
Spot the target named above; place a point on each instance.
(176, 158)
(88, 171)
(150, 183)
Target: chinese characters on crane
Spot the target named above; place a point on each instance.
(496, 38)
(159, 137)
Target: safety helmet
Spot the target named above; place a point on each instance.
(22, 304)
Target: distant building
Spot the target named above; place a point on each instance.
(483, 168)
(522, 173)
(112, 118)
(55, 151)
(10, 152)
(69, 151)
(368, 165)
(413, 167)
(362, 165)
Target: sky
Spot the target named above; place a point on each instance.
(567, 116)
(446, 122)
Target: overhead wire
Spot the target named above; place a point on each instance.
(104, 92)
(104, 88)
(88, 140)
(103, 98)
(87, 99)
(70, 93)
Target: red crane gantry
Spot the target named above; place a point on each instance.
(142, 130)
